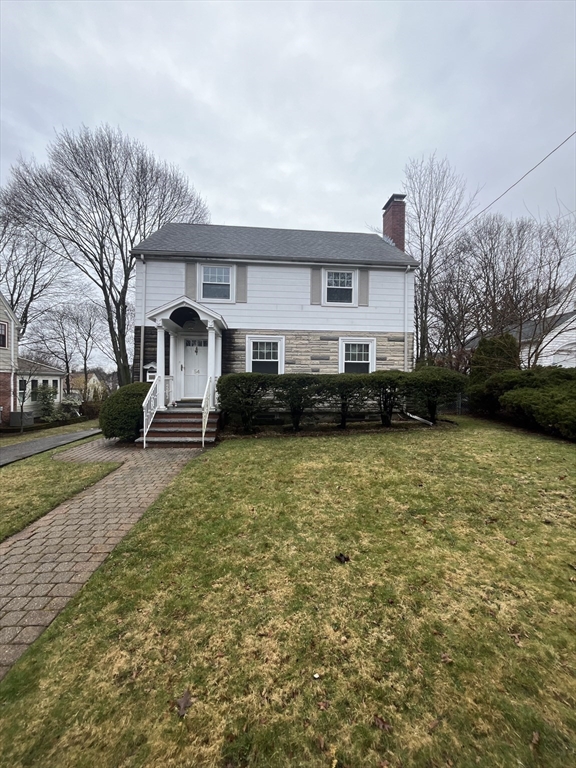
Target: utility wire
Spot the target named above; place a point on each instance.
(518, 182)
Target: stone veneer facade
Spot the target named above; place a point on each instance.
(314, 351)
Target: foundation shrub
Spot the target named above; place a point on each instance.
(121, 413)
(386, 388)
(345, 392)
(430, 388)
(297, 393)
(243, 395)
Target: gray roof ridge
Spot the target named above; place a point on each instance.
(276, 229)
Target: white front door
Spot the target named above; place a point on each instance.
(195, 367)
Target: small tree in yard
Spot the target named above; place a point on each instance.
(432, 387)
(297, 393)
(500, 353)
(387, 388)
(46, 398)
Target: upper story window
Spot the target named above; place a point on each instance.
(216, 283)
(340, 287)
(3, 334)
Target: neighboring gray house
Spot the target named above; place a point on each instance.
(217, 299)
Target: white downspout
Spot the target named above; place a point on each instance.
(143, 319)
(406, 318)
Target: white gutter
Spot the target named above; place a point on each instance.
(406, 318)
(143, 319)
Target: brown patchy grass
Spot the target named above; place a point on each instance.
(460, 641)
(32, 487)
(29, 436)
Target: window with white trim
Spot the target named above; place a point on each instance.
(340, 287)
(34, 390)
(265, 354)
(216, 283)
(357, 355)
(55, 385)
(3, 334)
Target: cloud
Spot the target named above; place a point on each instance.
(304, 114)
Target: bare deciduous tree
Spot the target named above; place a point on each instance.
(99, 194)
(505, 276)
(31, 277)
(437, 207)
(54, 340)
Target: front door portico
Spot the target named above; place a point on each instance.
(195, 333)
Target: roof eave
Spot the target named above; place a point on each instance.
(270, 260)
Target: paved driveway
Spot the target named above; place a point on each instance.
(44, 565)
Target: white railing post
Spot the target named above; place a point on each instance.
(206, 407)
(150, 405)
(160, 361)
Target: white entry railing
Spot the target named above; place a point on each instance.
(206, 408)
(150, 405)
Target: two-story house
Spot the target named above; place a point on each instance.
(219, 299)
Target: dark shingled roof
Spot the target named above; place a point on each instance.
(257, 243)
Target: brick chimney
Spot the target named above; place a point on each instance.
(394, 220)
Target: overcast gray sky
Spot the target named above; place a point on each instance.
(303, 114)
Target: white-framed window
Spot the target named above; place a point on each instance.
(55, 386)
(34, 390)
(357, 355)
(216, 283)
(340, 287)
(3, 334)
(265, 354)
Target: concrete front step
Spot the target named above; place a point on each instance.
(178, 433)
(175, 442)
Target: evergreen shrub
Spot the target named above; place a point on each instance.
(432, 387)
(121, 414)
(387, 389)
(243, 395)
(297, 393)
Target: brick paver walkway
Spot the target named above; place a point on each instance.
(44, 565)
(11, 453)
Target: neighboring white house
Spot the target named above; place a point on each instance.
(21, 378)
(218, 299)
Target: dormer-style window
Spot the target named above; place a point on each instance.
(3, 334)
(217, 283)
(340, 287)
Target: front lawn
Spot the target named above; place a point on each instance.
(446, 640)
(32, 487)
(30, 435)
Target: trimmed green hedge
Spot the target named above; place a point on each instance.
(121, 414)
(244, 395)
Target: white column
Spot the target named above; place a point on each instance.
(212, 359)
(160, 363)
(172, 371)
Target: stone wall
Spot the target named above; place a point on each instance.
(314, 351)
